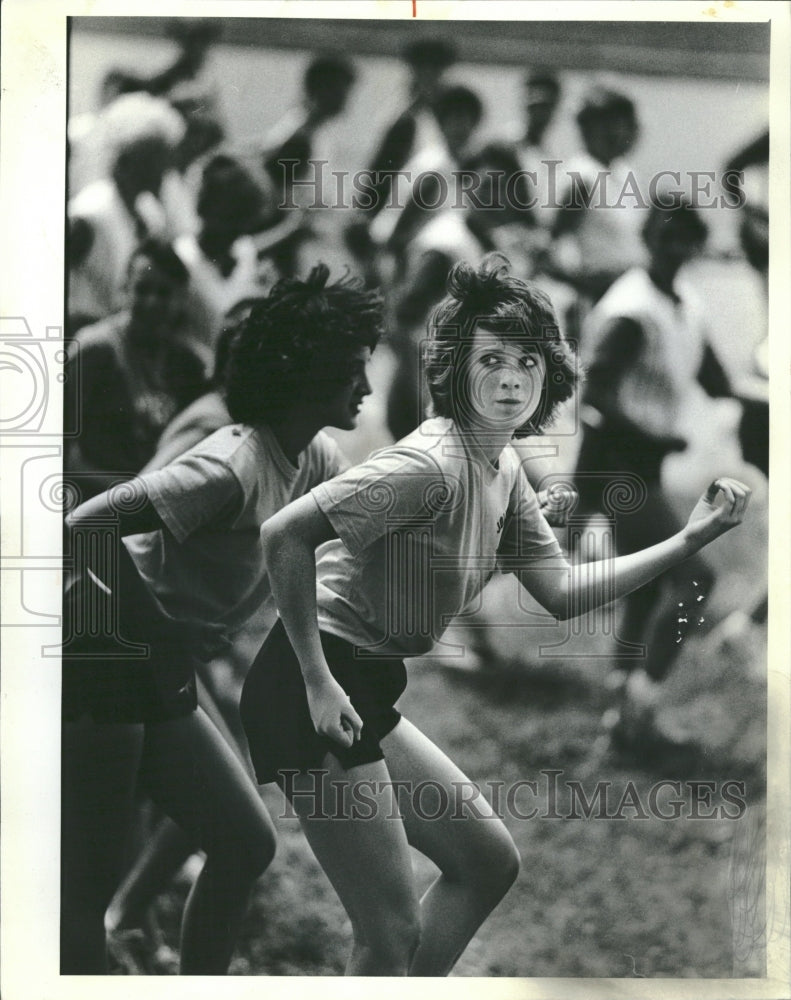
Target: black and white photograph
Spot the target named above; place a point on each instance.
(394, 581)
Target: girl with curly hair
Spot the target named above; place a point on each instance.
(414, 534)
(190, 572)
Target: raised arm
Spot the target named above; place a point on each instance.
(567, 592)
(289, 540)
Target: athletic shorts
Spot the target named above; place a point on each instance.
(275, 714)
(103, 676)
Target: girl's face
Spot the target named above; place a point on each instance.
(503, 382)
(344, 400)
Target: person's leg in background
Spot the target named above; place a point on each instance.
(192, 773)
(100, 763)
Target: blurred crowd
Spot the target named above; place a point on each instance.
(173, 230)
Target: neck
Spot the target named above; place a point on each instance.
(294, 434)
(490, 443)
(663, 279)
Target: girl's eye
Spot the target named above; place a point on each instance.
(491, 359)
(528, 361)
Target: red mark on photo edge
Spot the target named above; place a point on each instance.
(414, 8)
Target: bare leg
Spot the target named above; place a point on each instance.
(477, 858)
(193, 774)
(168, 849)
(366, 857)
(162, 856)
(99, 768)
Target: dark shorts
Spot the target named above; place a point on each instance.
(104, 676)
(275, 714)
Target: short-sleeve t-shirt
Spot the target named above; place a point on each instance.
(422, 526)
(206, 564)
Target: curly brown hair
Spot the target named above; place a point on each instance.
(495, 300)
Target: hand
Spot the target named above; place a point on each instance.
(557, 503)
(332, 713)
(720, 508)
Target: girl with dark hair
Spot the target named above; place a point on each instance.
(414, 534)
(191, 572)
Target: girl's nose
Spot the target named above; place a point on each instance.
(510, 378)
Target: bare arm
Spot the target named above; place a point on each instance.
(289, 540)
(127, 503)
(567, 594)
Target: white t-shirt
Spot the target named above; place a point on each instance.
(207, 564)
(609, 235)
(422, 526)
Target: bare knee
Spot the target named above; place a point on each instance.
(502, 861)
(490, 865)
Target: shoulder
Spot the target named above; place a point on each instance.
(207, 413)
(99, 341)
(225, 445)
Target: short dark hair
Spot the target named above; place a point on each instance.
(492, 298)
(602, 102)
(458, 98)
(434, 53)
(237, 189)
(162, 256)
(296, 343)
(678, 212)
(328, 68)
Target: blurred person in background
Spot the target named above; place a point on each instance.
(595, 240)
(129, 374)
(229, 258)
(141, 195)
(752, 389)
(194, 37)
(414, 130)
(327, 83)
(458, 111)
(541, 99)
(649, 362)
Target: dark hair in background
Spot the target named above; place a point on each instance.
(433, 53)
(234, 190)
(677, 213)
(297, 342)
(458, 99)
(163, 257)
(601, 102)
(328, 69)
(498, 302)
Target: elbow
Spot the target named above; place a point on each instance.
(271, 539)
